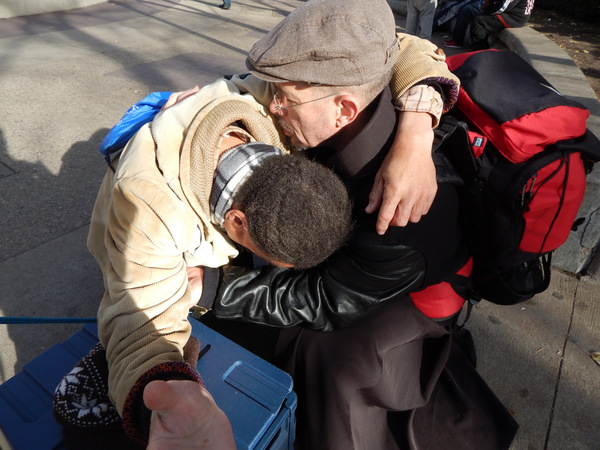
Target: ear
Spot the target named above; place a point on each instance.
(236, 226)
(237, 219)
(348, 109)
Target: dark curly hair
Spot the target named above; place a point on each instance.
(298, 211)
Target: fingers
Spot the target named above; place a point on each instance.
(399, 208)
(376, 194)
(171, 100)
(395, 208)
(396, 212)
(164, 396)
(421, 208)
(178, 96)
(184, 415)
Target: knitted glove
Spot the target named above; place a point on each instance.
(82, 406)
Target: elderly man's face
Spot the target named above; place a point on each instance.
(306, 118)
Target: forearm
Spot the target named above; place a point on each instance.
(422, 99)
(327, 297)
(142, 327)
(142, 317)
(412, 149)
(405, 184)
(273, 296)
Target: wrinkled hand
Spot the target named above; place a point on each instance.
(405, 185)
(184, 415)
(178, 96)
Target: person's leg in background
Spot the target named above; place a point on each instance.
(426, 19)
(464, 16)
(412, 17)
(482, 27)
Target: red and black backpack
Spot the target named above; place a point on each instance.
(523, 152)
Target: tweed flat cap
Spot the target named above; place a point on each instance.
(333, 42)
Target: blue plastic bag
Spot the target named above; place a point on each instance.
(139, 114)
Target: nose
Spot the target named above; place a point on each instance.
(272, 107)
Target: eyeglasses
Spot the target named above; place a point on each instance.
(279, 108)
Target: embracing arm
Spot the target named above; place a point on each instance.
(142, 320)
(423, 87)
(332, 295)
(419, 62)
(405, 184)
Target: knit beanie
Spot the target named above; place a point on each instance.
(235, 165)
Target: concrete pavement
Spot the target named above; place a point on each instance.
(66, 78)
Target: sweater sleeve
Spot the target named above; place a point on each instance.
(142, 319)
(249, 84)
(422, 62)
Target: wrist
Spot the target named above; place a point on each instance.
(422, 99)
(415, 125)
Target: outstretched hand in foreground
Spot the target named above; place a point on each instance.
(184, 415)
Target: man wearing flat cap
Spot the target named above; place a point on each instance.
(362, 334)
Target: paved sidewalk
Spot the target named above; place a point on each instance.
(66, 78)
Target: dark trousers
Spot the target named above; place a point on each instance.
(484, 25)
(463, 18)
(347, 381)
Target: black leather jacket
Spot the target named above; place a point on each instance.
(371, 268)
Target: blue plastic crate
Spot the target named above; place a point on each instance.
(256, 396)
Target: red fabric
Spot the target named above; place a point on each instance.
(545, 205)
(455, 61)
(521, 138)
(441, 300)
(503, 21)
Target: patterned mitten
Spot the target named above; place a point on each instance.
(83, 408)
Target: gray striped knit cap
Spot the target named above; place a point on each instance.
(234, 166)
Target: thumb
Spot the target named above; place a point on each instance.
(159, 396)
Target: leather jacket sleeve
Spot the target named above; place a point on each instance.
(329, 296)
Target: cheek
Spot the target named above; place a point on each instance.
(318, 130)
(312, 130)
